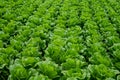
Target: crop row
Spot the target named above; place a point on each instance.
(59, 40)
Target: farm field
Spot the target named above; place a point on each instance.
(59, 39)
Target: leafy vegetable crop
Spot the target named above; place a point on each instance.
(59, 40)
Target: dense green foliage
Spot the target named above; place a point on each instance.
(59, 39)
